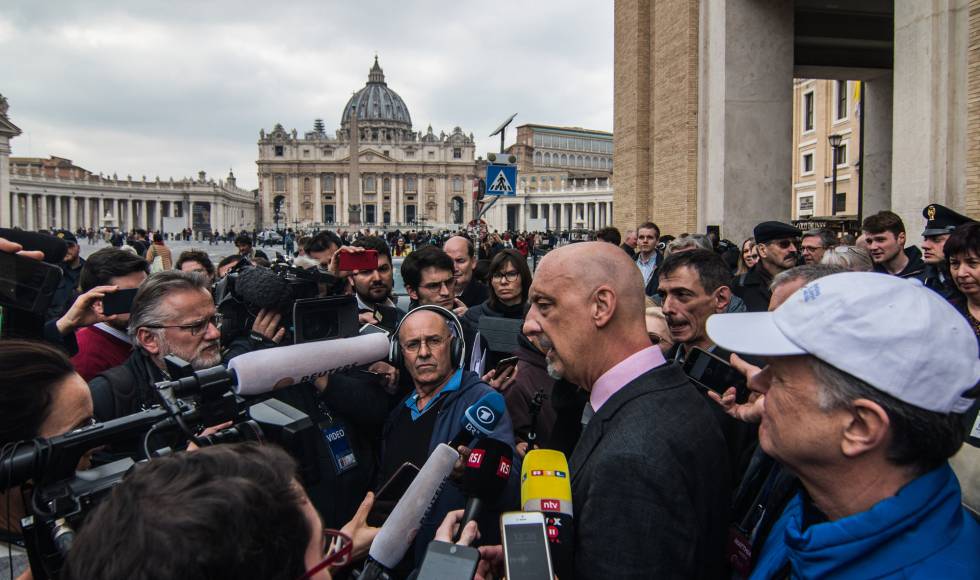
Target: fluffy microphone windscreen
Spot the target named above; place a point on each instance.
(545, 482)
(54, 249)
(399, 530)
(487, 469)
(261, 371)
(262, 287)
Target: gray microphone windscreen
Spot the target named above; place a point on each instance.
(399, 529)
(261, 371)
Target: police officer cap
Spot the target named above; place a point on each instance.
(941, 220)
(66, 236)
(769, 231)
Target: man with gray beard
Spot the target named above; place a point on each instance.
(173, 314)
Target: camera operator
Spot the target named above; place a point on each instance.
(173, 313)
(244, 244)
(43, 398)
(228, 511)
(323, 246)
(867, 430)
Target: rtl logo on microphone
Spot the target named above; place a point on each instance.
(476, 458)
(503, 470)
(550, 505)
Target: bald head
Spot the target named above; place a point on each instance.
(461, 250)
(590, 265)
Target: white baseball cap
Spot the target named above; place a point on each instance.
(894, 334)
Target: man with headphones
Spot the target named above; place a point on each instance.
(428, 345)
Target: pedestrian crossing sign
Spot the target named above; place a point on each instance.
(501, 179)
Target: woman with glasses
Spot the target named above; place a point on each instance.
(41, 395)
(510, 281)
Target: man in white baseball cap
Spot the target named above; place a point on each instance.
(867, 417)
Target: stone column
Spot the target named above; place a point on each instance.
(877, 111)
(745, 115)
(930, 94)
(30, 212)
(58, 223)
(73, 213)
(43, 222)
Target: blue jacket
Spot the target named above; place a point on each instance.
(921, 532)
(450, 414)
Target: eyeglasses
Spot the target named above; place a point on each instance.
(434, 343)
(338, 552)
(812, 249)
(437, 286)
(509, 276)
(783, 244)
(195, 327)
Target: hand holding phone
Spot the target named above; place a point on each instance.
(446, 561)
(119, 302)
(350, 261)
(526, 553)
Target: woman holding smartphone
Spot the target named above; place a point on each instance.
(510, 283)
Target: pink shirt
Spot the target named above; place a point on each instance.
(624, 373)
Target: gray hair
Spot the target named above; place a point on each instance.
(690, 242)
(853, 258)
(827, 237)
(808, 273)
(147, 306)
(921, 439)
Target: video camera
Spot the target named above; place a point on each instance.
(62, 497)
(291, 291)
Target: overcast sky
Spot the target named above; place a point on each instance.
(170, 88)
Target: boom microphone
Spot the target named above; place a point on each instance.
(273, 368)
(546, 487)
(484, 477)
(399, 529)
(480, 419)
(54, 248)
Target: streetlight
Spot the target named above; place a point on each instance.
(834, 140)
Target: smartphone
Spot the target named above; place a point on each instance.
(390, 493)
(372, 329)
(119, 302)
(27, 284)
(713, 372)
(504, 365)
(526, 553)
(445, 561)
(366, 260)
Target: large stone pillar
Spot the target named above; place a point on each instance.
(930, 96)
(877, 130)
(746, 115)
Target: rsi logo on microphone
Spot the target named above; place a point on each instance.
(550, 505)
(503, 469)
(476, 458)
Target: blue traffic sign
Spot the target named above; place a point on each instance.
(501, 179)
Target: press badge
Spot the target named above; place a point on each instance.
(340, 450)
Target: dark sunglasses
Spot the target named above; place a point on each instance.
(783, 244)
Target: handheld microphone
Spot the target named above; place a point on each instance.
(484, 477)
(273, 368)
(546, 487)
(54, 248)
(480, 419)
(399, 529)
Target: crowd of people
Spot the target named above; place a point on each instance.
(841, 442)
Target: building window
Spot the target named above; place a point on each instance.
(537, 158)
(306, 153)
(327, 180)
(279, 183)
(278, 150)
(369, 216)
(547, 159)
(840, 155)
(840, 202)
(410, 183)
(457, 152)
(410, 214)
(807, 163)
(410, 154)
(432, 155)
(307, 185)
(386, 153)
(808, 112)
(457, 184)
(328, 153)
(386, 185)
(564, 160)
(369, 184)
(329, 214)
(430, 186)
(841, 100)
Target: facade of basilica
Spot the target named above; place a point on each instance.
(398, 177)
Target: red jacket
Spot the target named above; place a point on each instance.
(98, 351)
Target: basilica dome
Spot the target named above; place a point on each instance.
(377, 105)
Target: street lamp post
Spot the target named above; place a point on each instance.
(834, 140)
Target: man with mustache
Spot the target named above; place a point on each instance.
(373, 288)
(650, 475)
(173, 314)
(776, 243)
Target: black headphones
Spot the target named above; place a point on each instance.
(457, 345)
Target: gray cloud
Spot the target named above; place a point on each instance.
(170, 88)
